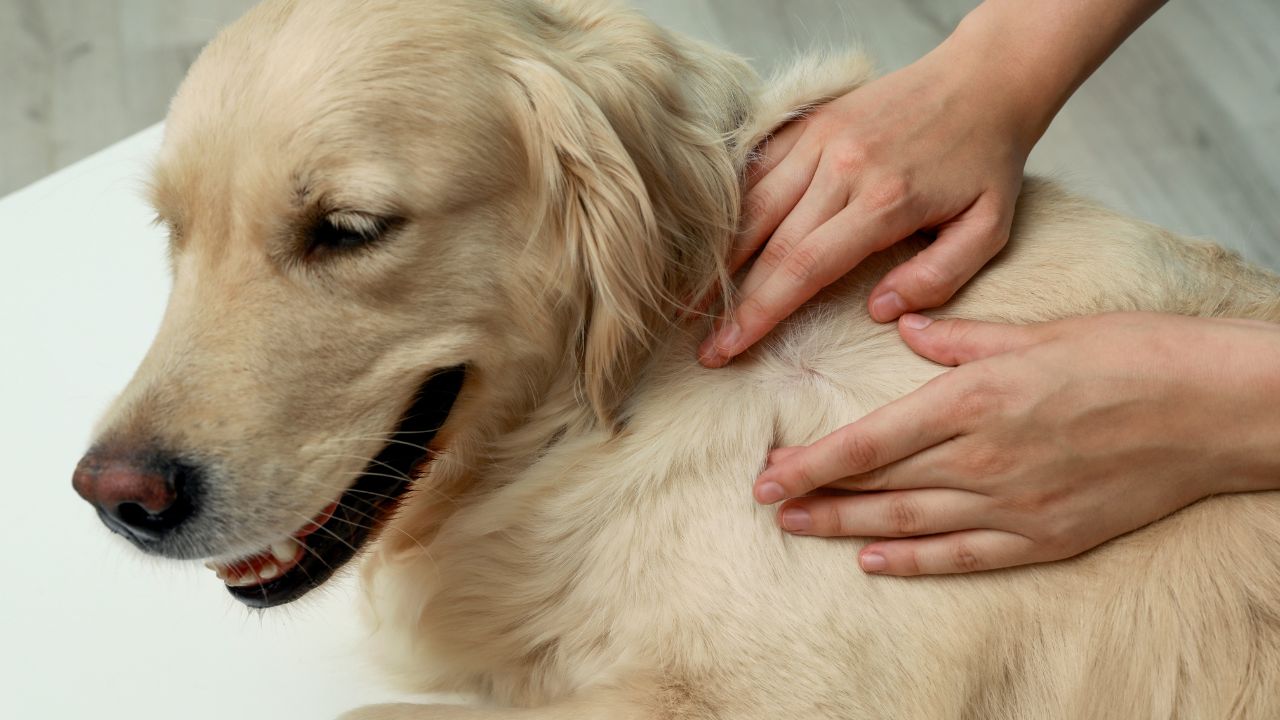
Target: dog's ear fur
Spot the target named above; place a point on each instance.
(598, 212)
(639, 189)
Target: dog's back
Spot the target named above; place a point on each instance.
(633, 573)
(642, 557)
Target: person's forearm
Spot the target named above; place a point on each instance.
(1225, 379)
(1265, 365)
(1038, 52)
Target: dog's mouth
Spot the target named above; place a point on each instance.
(292, 566)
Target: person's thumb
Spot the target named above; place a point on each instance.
(955, 342)
(932, 277)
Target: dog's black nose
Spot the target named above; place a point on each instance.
(141, 497)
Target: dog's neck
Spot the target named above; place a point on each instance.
(689, 155)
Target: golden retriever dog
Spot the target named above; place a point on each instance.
(428, 263)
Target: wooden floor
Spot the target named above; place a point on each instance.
(1181, 126)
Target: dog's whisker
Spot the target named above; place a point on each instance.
(315, 482)
(374, 520)
(441, 495)
(371, 527)
(367, 462)
(391, 434)
(372, 493)
(335, 536)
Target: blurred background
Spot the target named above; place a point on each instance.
(1181, 127)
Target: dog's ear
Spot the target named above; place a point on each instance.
(628, 252)
(597, 214)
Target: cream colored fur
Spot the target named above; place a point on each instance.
(586, 546)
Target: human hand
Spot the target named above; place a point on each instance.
(935, 146)
(938, 146)
(1046, 441)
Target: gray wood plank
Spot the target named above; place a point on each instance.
(1152, 135)
(24, 115)
(1181, 126)
(80, 74)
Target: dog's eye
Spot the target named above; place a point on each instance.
(339, 231)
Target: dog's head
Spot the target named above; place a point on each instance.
(382, 213)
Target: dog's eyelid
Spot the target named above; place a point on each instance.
(339, 230)
(362, 223)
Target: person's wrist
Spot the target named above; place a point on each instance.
(1249, 430)
(1267, 365)
(998, 74)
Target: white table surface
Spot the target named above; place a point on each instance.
(89, 627)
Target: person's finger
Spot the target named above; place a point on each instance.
(936, 273)
(771, 151)
(778, 455)
(900, 429)
(949, 553)
(932, 467)
(822, 202)
(956, 342)
(767, 204)
(827, 254)
(898, 514)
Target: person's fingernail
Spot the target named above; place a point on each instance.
(873, 562)
(770, 493)
(727, 339)
(888, 306)
(796, 520)
(718, 348)
(707, 350)
(916, 322)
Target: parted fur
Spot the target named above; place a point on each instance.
(586, 545)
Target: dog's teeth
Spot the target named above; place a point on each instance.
(244, 580)
(285, 550)
(243, 573)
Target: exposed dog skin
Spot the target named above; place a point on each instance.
(366, 195)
